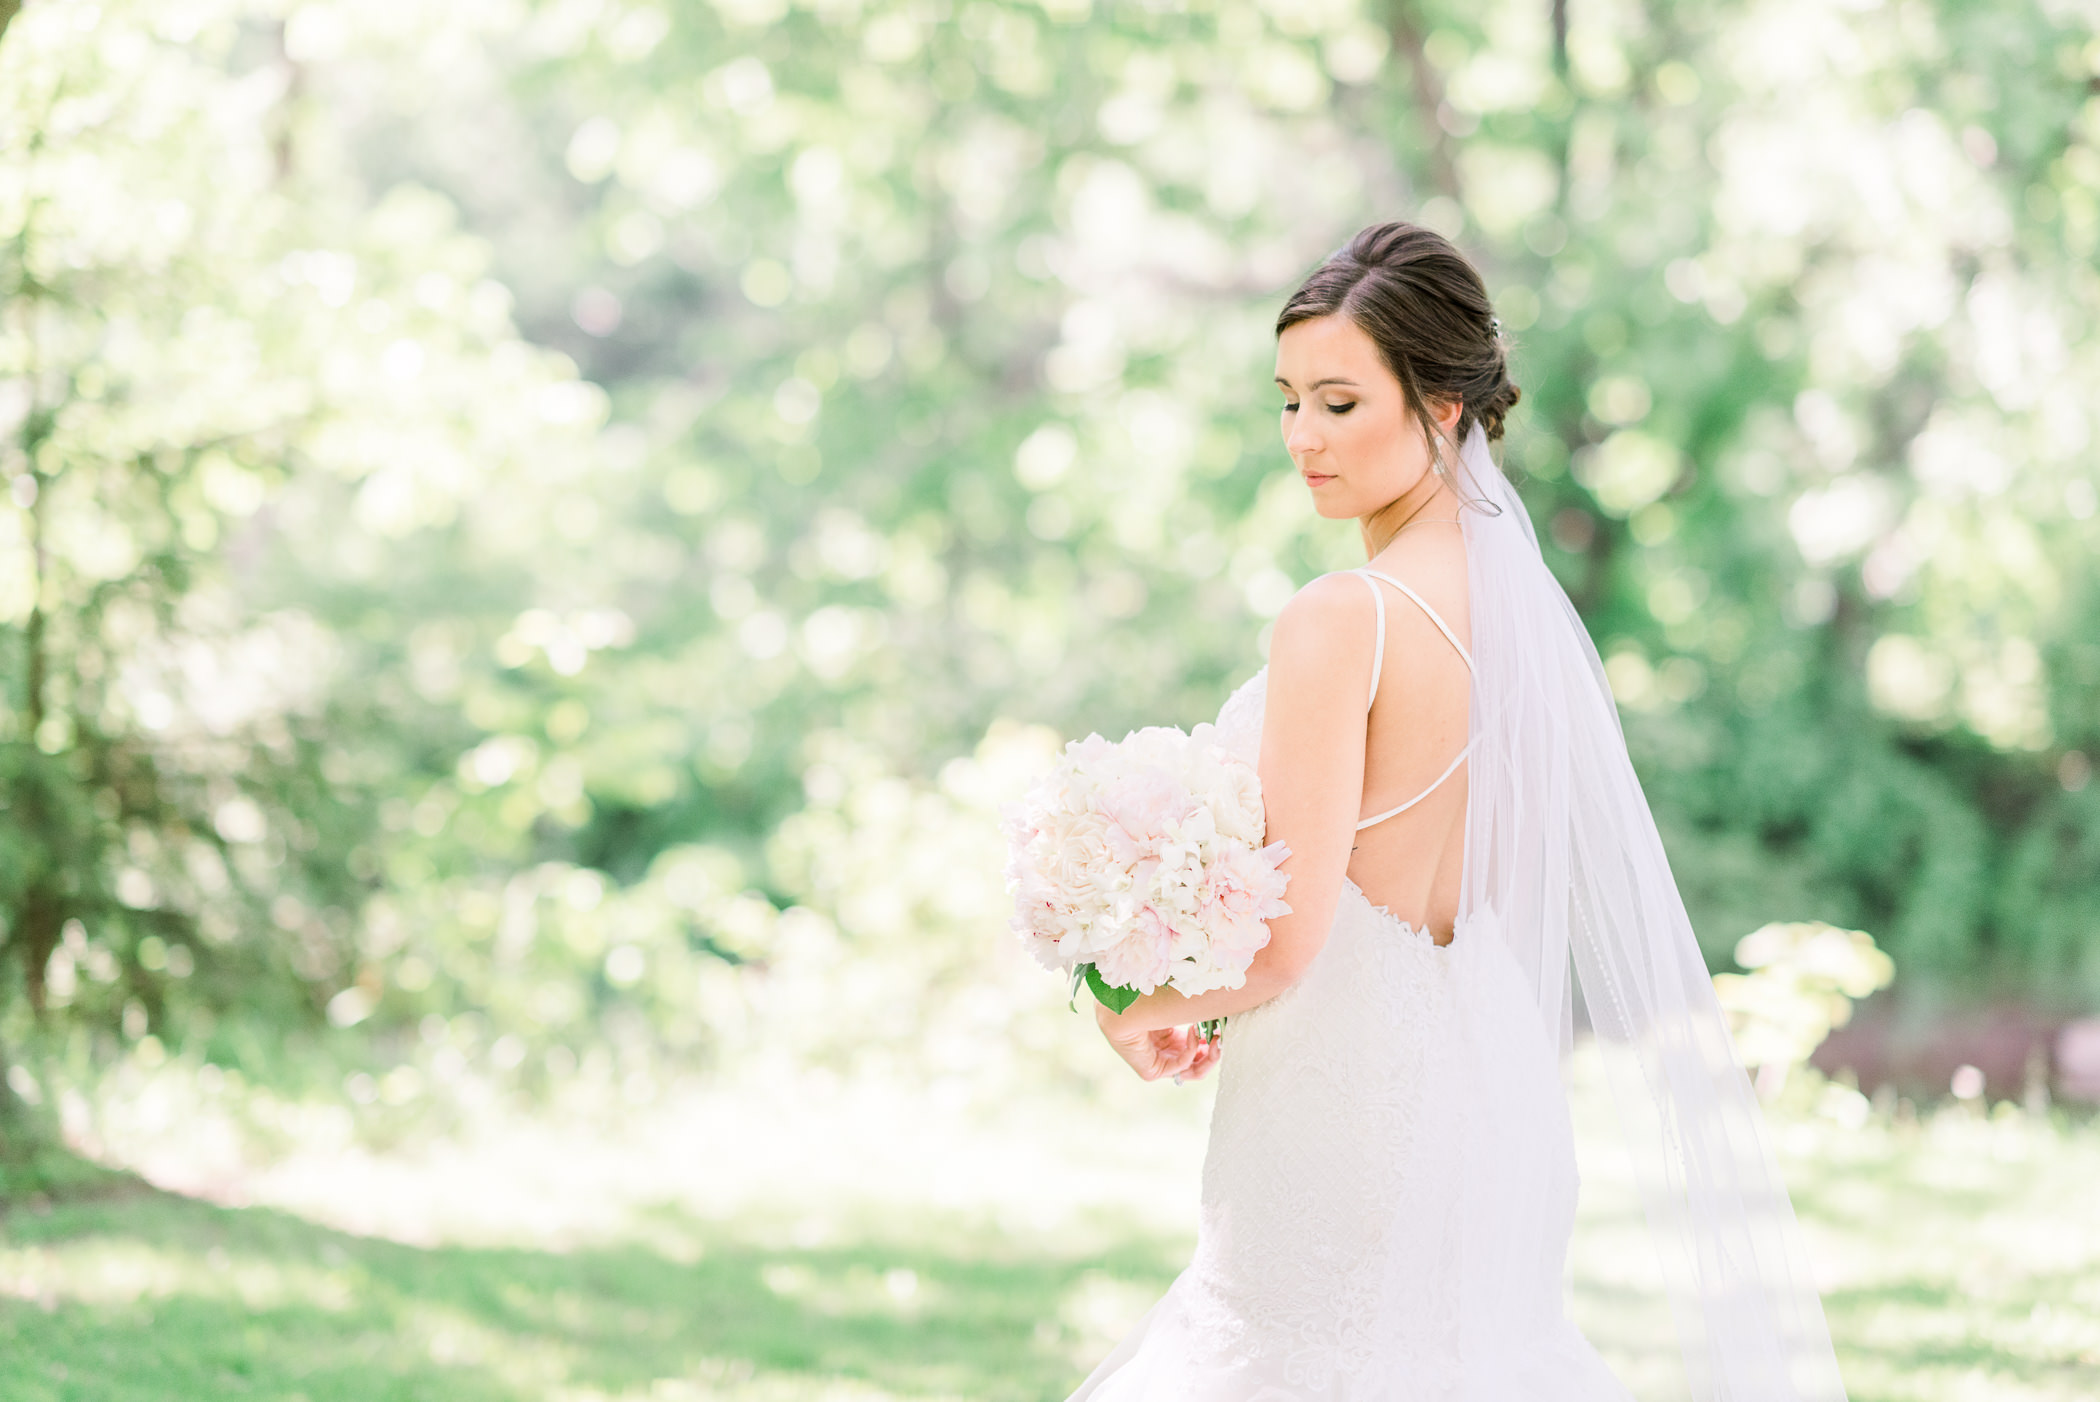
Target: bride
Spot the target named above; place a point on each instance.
(1390, 1183)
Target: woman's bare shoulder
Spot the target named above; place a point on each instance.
(1329, 622)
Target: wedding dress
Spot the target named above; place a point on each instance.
(1390, 1182)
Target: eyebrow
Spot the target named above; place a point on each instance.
(1317, 384)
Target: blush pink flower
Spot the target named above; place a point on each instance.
(1143, 810)
(1140, 857)
(1143, 958)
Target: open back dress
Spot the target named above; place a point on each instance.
(1390, 1181)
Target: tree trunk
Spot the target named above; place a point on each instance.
(14, 1117)
(37, 926)
(1428, 92)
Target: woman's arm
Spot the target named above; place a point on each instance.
(1312, 783)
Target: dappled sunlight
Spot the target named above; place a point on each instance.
(808, 1159)
(781, 1239)
(897, 1290)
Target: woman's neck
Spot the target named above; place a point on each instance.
(1427, 499)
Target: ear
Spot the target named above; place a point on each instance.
(1446, 414)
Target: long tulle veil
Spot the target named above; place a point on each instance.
(1562, 856)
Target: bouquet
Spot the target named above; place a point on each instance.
(1139, 864)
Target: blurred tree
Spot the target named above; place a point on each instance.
(370, 658)
(190, 324)
(945, 332)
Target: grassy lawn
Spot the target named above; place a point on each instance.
(1961, 1257)
(1967, 1256)
(149, 1296)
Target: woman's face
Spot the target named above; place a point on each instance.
(1346, 422)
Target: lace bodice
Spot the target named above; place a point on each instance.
(1239, 719)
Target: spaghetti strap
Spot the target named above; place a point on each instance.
(1423, 604)
(1378, 656)
(1378, 666)
(1456, 760)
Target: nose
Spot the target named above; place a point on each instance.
(1301, 440)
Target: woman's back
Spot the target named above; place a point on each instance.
(1411, 861)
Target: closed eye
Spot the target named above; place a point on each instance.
(1340, 408)
(1290, 408)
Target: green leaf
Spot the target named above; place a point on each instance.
(1111, 997)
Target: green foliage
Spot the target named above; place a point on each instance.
(979, 307)
(33, 1169)
(209, 363)
(1804, 978)
(1111, 997)
(518, 511)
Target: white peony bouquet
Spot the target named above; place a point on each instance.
(1140, 864)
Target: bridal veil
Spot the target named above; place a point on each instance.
(1562, 857)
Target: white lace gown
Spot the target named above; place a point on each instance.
(1388, 1190)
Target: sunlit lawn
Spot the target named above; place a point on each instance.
(839, 1250)
(156, 1297)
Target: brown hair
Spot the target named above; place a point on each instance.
(1426, 309)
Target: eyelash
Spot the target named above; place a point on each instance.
(1332, 408)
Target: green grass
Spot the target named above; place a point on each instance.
(1968, 1257)
(1963, 1256)
(145, 1296)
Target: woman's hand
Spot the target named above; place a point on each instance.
(1180, 1052)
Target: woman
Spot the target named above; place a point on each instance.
(1390, 1183)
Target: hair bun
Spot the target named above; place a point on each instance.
(1426, 309)
(1492, 410)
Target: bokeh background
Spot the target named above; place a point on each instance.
(538, 537)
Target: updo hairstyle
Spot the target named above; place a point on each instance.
(1425, 308)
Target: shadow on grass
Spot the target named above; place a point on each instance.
(1956, 1335)
(119, 1293)
(142, 1295)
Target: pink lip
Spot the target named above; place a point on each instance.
(1314, 479)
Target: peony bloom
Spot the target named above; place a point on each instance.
(1141, 858)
